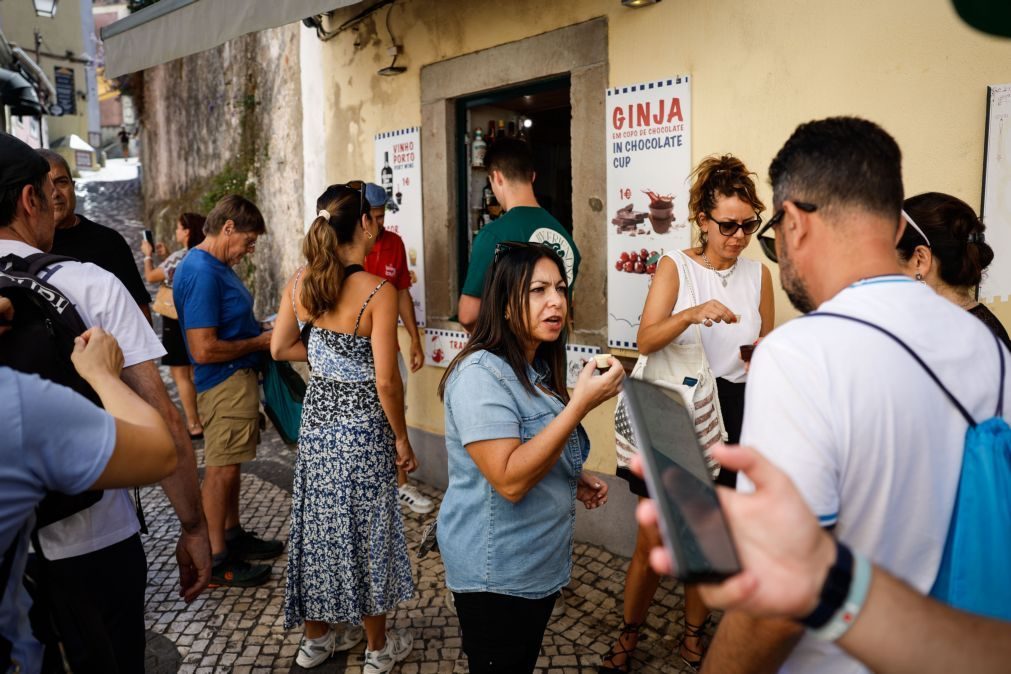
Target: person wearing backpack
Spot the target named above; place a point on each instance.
(127, 444)
(873, 443)
(94, 560)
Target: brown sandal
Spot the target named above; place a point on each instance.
(619, 650)
(694, 632)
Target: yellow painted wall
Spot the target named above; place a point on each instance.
(759, 68)
(59, 34)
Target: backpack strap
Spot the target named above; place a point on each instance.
(1000, 386)
(916, 357)
(39, 261)
(365, 304)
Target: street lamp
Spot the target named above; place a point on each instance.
(46, 8)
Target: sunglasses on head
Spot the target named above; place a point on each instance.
(729, 228)
(767, 242)
(505, 247)
(358, 186)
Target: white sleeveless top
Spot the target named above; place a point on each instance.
(742, 295)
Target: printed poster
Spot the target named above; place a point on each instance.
(648, 166)
(398, 170)
(996, 213)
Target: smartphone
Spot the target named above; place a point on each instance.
(691, 521)
(149, 236)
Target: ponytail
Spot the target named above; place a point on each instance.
(324, 273)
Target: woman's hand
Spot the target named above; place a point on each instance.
(405, 456)
(146, 248)
(592, 389)
(591, 490)
(97, 354)
(161, 249)
(711, 312)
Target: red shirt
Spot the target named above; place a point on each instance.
(388, 259)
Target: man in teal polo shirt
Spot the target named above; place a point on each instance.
(511, 173)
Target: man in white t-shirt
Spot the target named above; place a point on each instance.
(871, 441)
(96, 558)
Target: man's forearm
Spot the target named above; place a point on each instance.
(181, 487)
(405, 307)
(221, 351)
(746, 645)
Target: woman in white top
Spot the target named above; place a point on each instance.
(733, 305)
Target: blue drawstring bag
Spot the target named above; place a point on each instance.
(977, 551)
(283, 395)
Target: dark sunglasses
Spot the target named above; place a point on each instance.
(767, 242)
(730, 227)
(505, 247)
(358, 186)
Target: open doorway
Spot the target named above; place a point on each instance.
(538, 112)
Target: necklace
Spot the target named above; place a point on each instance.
(724, 277)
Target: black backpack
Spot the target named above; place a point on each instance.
(40, 342)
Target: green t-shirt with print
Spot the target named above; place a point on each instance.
(520, 223)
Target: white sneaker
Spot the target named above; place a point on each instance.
(314, 652)
(414, 499)
(398, 645)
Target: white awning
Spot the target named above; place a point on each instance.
(171, 29)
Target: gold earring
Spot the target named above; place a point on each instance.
(368, 234)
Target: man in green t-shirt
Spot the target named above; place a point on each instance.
(511, 173)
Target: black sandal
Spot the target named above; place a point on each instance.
(618, 650)
(694, 632)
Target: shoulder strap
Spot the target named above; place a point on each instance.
(1000, 384)
(294, 287)
(691, 291)
(916, 357)
(366, 303)
(40, 261)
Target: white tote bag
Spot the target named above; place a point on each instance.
(683, 370)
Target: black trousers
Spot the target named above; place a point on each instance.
(96, 602)
(502, 634)
(732, 406)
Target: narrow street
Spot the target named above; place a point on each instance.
(241, 630)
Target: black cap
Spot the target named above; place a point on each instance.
(19, 163)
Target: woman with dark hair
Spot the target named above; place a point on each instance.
(708, 293)
(347, 556)
(944, 247)
(516, 451)
(189, 233)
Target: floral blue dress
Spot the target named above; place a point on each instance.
(347, 556)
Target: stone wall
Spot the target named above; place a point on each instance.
(229, 119)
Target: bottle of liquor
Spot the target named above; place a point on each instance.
(501, 128)
(486, 194)
(386, 176)
(478, 148)
(490, 138)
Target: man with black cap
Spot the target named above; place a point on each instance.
(96, 563)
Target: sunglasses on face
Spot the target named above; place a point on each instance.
(767, 242)
(729, 228)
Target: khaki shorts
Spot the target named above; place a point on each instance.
(231, 416)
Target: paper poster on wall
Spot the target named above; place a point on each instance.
(996, 213)
(576, 356)
(442, 346)
(648, 164)
(398, 170)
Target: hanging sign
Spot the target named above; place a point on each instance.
(66, 95)
(648, 165)
(398, 170)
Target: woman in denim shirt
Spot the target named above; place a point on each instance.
(516, 451)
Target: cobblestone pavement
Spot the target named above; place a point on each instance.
(241, 630)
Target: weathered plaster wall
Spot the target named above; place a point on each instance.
(236, 108)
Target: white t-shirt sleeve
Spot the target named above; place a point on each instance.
(103, 301)
(70, 455)
(786, 418)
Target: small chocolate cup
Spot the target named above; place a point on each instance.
(746, 351)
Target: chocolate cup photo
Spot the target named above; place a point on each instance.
(661, 216)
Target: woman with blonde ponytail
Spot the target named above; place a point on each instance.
(347, 555)
(710, 293)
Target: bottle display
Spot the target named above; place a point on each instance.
(478, 148)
